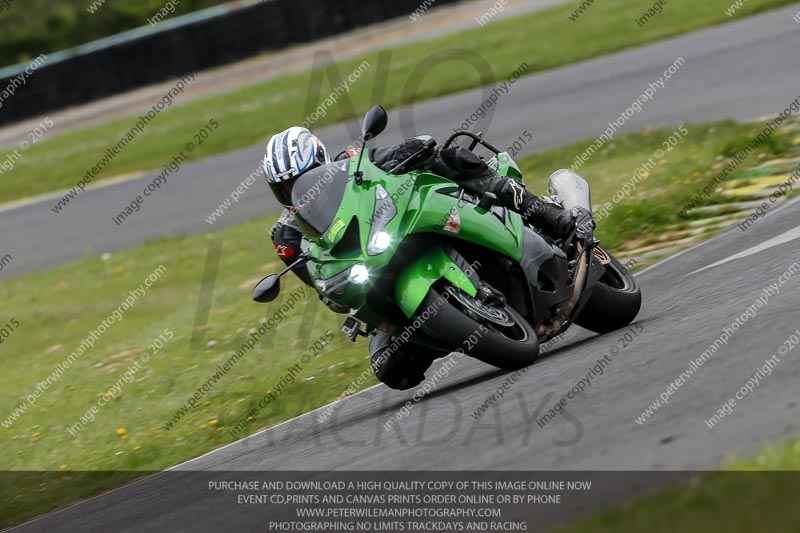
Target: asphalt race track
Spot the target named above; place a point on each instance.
(691, 301)
(685, 310)
(740, 70)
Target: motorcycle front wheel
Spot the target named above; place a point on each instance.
(497, 335)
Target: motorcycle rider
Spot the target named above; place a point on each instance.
(296, 150)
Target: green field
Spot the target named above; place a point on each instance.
(747, 495)
(544, 40)
(57, 308)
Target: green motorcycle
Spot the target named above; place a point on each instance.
(414, 255)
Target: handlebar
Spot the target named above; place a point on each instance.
(476, 140)
(431, 143)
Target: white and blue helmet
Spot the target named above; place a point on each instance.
(291, 153)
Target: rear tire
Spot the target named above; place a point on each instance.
(615, 301)
(510, 348)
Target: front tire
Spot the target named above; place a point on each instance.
(509, 347)
(615, 301)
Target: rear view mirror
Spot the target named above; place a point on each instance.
(374, 123)
(267, 289)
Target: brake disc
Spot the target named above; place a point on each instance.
(482, 310)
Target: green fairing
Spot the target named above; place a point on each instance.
(417, 279)
(424, 202)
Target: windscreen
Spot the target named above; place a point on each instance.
(317, 195)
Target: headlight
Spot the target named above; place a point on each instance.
(358, 274)
(379, 243)
(336, 285)
(385, 210)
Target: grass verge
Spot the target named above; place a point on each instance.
(56, 309)
(249, 114)
(747, 494)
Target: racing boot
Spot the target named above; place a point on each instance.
(399, 365)
(470, 171)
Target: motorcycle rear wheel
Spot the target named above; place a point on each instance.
(615, 301)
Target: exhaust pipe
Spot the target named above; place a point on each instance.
(547, 331)
(569, 190)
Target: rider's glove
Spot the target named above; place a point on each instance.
(397, 153)
(584, 223)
